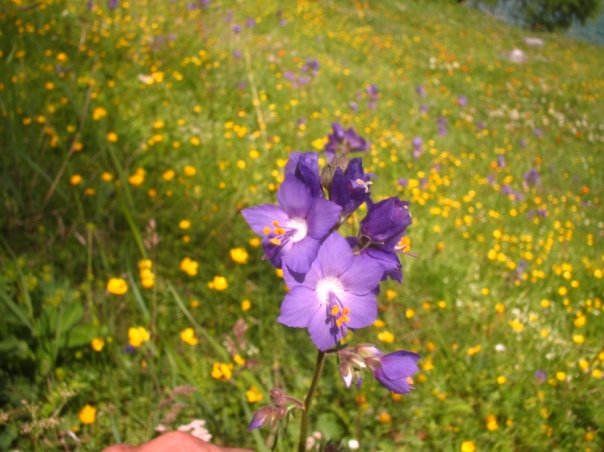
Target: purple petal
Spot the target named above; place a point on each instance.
(335, 255)
(363, 309)
(322, 217)
(298, 306)
(321, 331)
(362, 276)
(401, 364)
(301, 255)
(294, 197)
(262, 216)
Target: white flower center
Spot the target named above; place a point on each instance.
(300, 229)
(327, 285)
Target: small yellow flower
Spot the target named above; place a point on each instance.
(561, 376)
(112, 137)
(384, 417)
(239, 255)
(189, 266)
(468, 446)
(188, 336)
(246, 305)
(117, 286)
(501, 380)
(168, 175)
(218, 283)
(97, 344)
(87, 415)
(240, 360)
(222, 371)
(137, 336)
(138, 178)
(99, 113)
(76, 179)
(106, 177)
(386, 336)
(190, 170)
(184, 224)
(253, 395)
(390, 294)
(491, 423)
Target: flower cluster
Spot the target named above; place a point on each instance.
(333, 280)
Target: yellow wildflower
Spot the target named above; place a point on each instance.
(87, 415)
(97, 344)
(188, 336)
(239, 255)
(137, 336)
(468, 446)
(189, 266)
(253, 395)
(117, 286)
(222, 371)
(218, 283)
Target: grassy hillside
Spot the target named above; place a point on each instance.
(133, 293)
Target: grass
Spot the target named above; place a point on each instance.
(118, 124)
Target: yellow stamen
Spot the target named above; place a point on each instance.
(410, 380)
(335, 310)
(279, 231)
(275, 241)
(276, 223)
(266, 230)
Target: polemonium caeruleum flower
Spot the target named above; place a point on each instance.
(380, 233)
(305, 167)
(343, 141)
(293, 230)
(395, 370)
(337, 293)
(350, 188)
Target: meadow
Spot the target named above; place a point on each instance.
(133, 295)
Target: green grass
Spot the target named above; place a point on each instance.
(500, 287)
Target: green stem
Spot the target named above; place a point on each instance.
(308, 401)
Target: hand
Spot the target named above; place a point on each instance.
(173, 442)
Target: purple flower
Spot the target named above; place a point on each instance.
(337, 293)
(236, 28)
(250, 22)
(293, 230)
(268, 415)
(112, 4)
(417, 147)
(531, 177)
(420, 90)
(395, 370)
(381, 231)
(305, 167)
(462, 101)
(350, 188)
(540, 376)
(442, 125)
(342, 141)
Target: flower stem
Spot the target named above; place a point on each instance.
(308, 401)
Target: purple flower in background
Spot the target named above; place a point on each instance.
(531, 177)
(236, 28)
(373, 94)
(423, 108)
(462, 101)
(293, 230)
(420, 90)
(337, 293)
(540, 376)
(350, 188)
(344, 141)
(353, 106)
(267, 416)
(112, 4)
(395, 370)
(250, 22)
(403, 182)
(311, 66)
(500, 161)
(417, 147)
(538, 132)
(442, 125)
(381, 231)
